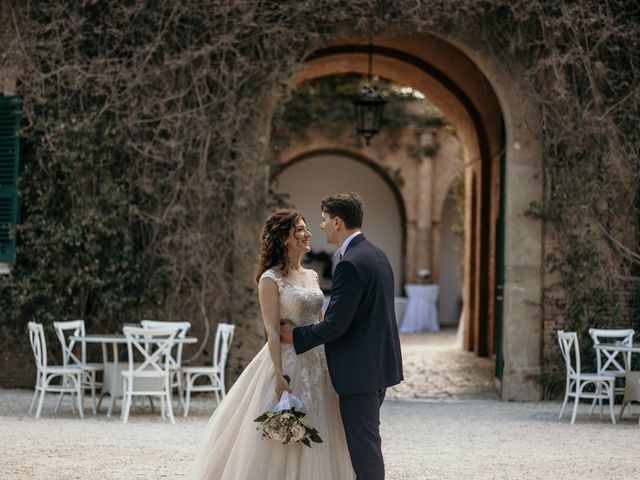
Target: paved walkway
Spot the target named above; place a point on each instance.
(435, 369)
(458, 431)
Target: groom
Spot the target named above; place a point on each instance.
(359, 332)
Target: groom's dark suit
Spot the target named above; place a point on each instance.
(361, 341)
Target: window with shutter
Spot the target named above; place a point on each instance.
(9, 163)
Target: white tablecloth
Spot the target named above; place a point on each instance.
(113, 383)
(421, 313)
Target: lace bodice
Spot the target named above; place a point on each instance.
(299, 304)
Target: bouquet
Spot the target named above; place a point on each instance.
(285, 423)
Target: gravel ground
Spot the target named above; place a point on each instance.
(435, 369)
(453, 433)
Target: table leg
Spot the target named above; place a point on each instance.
(112, 378)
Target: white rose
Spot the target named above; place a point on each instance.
(297, 433)
(278, 435)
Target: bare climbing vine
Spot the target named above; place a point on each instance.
(145, 171)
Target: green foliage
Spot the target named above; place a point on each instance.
(75, 258)
(457, 192)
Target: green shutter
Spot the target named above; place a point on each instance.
(9, 165)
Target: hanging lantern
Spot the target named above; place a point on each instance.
(368, 116)
(369, 107)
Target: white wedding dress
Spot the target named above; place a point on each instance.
(234, 450)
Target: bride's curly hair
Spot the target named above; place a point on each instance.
(273, 251)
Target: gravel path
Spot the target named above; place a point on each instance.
(435, 369)
(453, 434)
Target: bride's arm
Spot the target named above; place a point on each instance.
(269, 305)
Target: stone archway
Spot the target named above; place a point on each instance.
(468, 88)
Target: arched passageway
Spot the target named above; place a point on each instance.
(460, 87)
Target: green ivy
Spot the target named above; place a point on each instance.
(75, 258)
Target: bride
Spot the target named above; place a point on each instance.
(232, 448)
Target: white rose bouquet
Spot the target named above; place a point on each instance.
(285, 423)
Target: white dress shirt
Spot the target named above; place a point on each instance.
(344, 246)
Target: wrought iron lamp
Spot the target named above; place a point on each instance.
(369, 106)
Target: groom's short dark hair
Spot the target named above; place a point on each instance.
(347, 206)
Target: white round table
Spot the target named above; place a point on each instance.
(421, 313)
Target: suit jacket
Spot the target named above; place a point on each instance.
(359, 330)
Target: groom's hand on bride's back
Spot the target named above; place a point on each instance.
(286, 331)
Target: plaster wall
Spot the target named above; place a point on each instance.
(308, 181)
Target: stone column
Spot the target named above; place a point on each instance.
(411, 264)
(424, 199)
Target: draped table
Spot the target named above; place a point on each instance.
(421, 313)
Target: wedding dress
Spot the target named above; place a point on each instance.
(234, 450)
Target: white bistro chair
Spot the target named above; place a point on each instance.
(214, 374)
(176, 358)
(577, 380)
(152, 376)
(70, 377)
(75, 328)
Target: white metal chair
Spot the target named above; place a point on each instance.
(214, 374)
(612, 362)
(151, 377)
(631, 391)
(577, 380)
(176, 358)
(75, 328)
(45, 373)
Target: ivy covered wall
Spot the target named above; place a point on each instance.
(146, 127)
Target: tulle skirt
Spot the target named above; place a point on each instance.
(232, 448)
